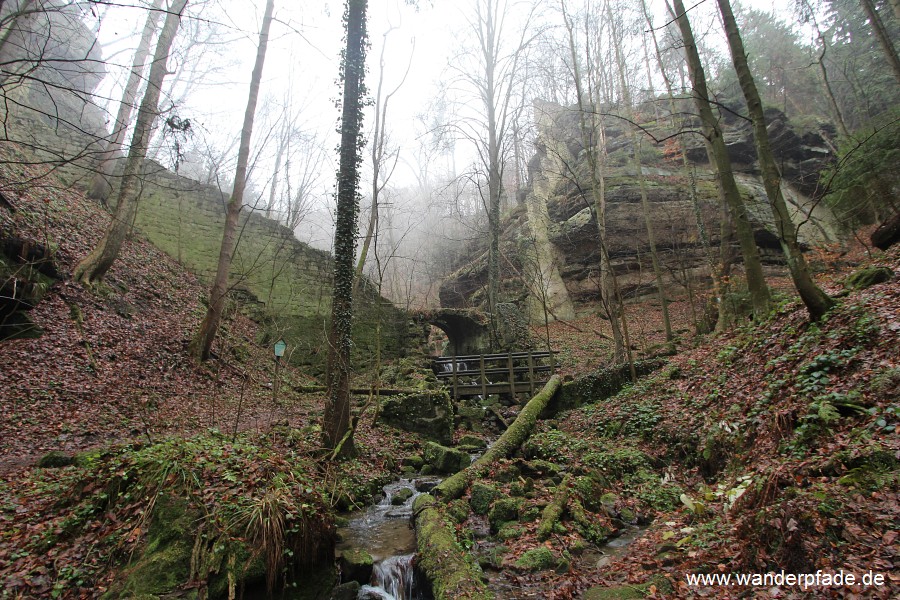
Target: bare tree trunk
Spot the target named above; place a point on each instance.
(94, 266)
(494, 82)
(826, 85)
(100, 185)
(610, 299)
(884, 38)
(714, 269)
(816, 301)
(336, 432)
(645, 204)
(202, 343)
(718, 154)
(381, 172)
(279, 157)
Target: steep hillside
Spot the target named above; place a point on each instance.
(279, 280)
(770, 448)
(100, 367)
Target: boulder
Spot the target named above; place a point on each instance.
(444, 459)
(888, 233)
(503, 511)
(356, 565)
(428, 413)
(481, 497)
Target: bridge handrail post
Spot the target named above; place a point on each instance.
(455, 377)
(483, 378)
(531, 373)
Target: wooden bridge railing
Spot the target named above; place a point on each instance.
(505, 373)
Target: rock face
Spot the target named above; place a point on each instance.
(27, 272)
(428, 413)
(52, 65)
(558, 178)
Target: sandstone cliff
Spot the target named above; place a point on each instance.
(535, 271)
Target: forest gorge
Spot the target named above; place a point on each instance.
(633, 332)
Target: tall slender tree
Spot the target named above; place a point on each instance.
(817, 302)
(94, 266)
(587, 91)
(100, 186)
(642, 184)
(718, 153)
(336, 432)
(884, 38)
(493, 74)
(202, 343)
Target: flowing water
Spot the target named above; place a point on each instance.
(384, 530)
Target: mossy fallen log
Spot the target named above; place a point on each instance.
(515, 435)
(554, 510)
(452, 572)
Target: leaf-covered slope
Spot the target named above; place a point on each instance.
(781, 437)
(111, 364)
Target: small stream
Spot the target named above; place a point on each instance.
(384, 530)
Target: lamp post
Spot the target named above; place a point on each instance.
(279, 348)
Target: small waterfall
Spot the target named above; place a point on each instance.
(392, 579)
(384, 531)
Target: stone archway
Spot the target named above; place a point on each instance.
(467, 329)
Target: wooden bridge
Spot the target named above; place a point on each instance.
(485, 374)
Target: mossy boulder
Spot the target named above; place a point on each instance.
(458, 510)
(472, 441)
(55, 459)
(429, 413)
(401, 496)
(345, 591)
(445, 460)
(415, 461)
(164, 563)
(868, 277)
(510, 531)
(536, 559)
(481, 497)
(356, 565)
(503, 511)
(540, 468)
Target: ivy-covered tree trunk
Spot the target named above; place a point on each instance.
(202, 342)
(94, 266)
(718, 154)
(100, 186)
(817, 302)
(336, 431)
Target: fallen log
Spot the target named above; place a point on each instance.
(520, 430)
(553, 511)
(451, 571)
